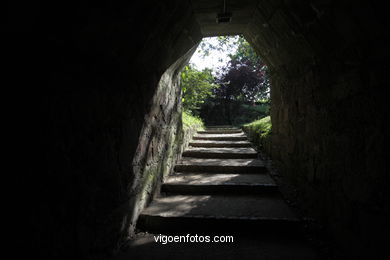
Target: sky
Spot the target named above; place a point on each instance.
(215, 59)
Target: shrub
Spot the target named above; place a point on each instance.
(262, 127)
(190, 121)
(259, 132)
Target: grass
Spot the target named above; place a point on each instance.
(262, 127)
(190, 121)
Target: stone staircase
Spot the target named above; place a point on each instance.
(220, 186)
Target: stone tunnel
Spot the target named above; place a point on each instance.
(114, 109)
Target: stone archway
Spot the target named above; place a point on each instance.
(327, 60)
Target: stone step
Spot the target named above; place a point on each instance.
(219, 126)
(220, 131)
(189, 164)
(212, 213)
(221, 137)
(226, 153)
(211, 143)
(209, 183)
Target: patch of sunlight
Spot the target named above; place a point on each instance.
(202, 178)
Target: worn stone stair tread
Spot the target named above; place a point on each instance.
(216, 143)
(221, 137)
(221, 207)
(208, 183)
(219, 179)
(220, 126)
(220, 131)
(223, 152)
(221, 162)
(180, 214)
(190, 164)
(224, 135)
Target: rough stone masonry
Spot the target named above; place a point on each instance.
(113, 111)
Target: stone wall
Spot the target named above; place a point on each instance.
(161, 142)
(111, 128)
(329, 141)
(114, 127)
(327, 63)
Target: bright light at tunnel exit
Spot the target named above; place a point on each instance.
(216, 58)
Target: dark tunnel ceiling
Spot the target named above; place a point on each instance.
(206, 12)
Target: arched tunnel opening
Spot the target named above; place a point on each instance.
(226, 83)
(115, 128)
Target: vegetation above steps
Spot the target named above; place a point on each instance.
(259, 132)
(232, 94)
(191, 122)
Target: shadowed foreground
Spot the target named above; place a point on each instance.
(220, 192)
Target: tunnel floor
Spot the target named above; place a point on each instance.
(143, 246)
(220, 187)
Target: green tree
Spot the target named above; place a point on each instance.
(245, 55)
(244, 86)
(224, 43)
(196, 86)
(242, 56)
(245, 52)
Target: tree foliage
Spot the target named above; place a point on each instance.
(223, 44)
(244, 77)
(243, 88)
(242, 80)
(197, 86)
